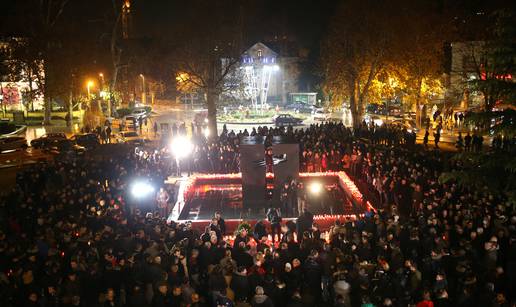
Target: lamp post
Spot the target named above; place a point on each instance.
(2, 99)
(2, 104)
(101, 76)
(89, 85)
(143, 88)
(104, 95)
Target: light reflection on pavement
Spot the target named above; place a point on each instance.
(22, 157)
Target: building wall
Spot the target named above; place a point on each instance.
(13, 98)
(284, 80)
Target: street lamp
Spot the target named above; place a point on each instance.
(89, 85)
(143, 88)
(2, 99)
(101, 77)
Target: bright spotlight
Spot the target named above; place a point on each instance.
(206, 132)
(315, 187)
(275, 67)
(141, 189)
(181, 146)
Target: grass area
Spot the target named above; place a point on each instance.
(39, 121)
(56, 120)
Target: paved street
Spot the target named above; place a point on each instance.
(165, 114)
(179, 114)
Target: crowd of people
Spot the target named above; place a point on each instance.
(323, 147)
(73, 235)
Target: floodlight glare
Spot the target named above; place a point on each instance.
(275, 68)
(141, 189)
(315, 187)
(181, 146)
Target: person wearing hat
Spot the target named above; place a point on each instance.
(260, 299)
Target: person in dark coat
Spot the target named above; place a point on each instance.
(296, 300)
(136, 297)
(260, 299)
(274, 217)
(241, 237)
(240, 284)
(221, 222)
(216, 281)
(304, 222)
(467, 142)
(214, 226)
(425, 138)
(162, 298)
(108, 134)
(259, 230)
(437, 137)
(312, 274)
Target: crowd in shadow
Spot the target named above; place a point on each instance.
(73, 235)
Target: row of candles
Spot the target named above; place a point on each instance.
(346, 183)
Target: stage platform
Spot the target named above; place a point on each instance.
(201, 195)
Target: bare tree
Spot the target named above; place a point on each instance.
(354, 52)
(49, 12)
(209, 53)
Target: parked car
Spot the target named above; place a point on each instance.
(87, 140)
(300, 107)
(139, 113)
(47, 138)
(408, 124)
(287, 119)
(376, 119)
(12, 143)
(320, 114)
(131, 137)
(65, 147)
(395, 111)
(201, 118)
(131, 122)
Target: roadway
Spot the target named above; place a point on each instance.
(180, 114)
(177, 114)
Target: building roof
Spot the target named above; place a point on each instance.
(260, 45)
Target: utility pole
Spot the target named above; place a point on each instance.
(69, 122)
(144, 96)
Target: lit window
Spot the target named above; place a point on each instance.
(259, 53)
